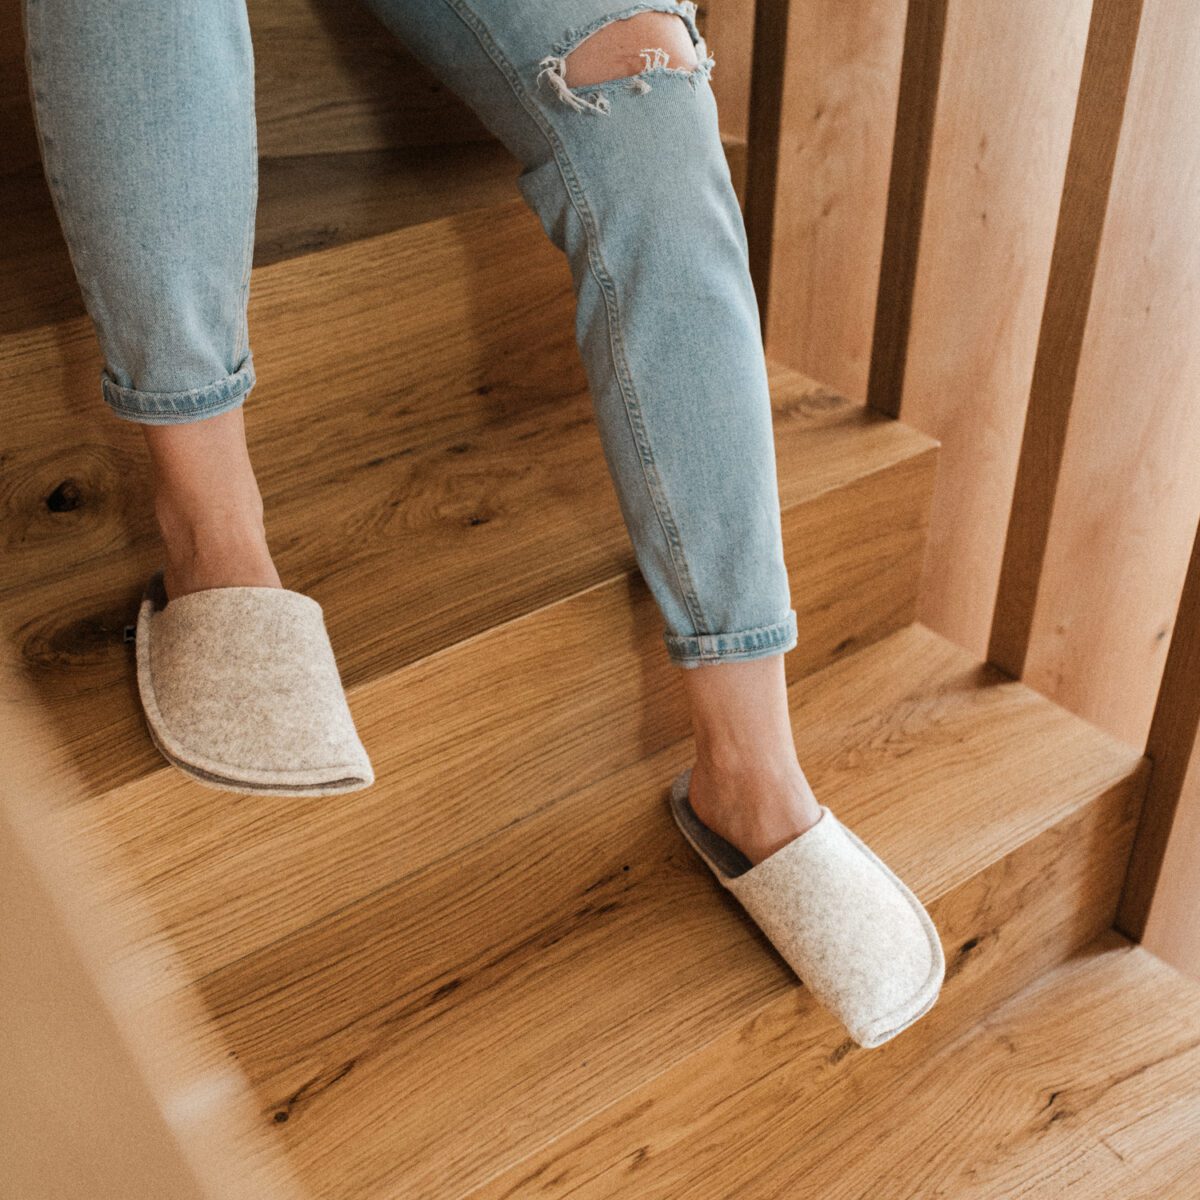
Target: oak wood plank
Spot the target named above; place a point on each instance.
(535, 704)
(772, 1078)
(1085, 1082)
(454, 1021)
(396, 473)
(986, 243)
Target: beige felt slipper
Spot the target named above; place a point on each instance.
(856, 936)
(241, 691)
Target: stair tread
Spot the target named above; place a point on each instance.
(306, 203)
(1087, 1082)
(445, 1026)
(579, 688)
(465, 447)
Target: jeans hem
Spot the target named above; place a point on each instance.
(175, 408)
(694, 650)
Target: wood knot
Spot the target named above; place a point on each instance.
(65, 498)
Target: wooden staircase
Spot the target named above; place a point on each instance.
(500, 971)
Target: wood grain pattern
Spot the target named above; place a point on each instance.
(987, 246)
(330, 76)
(459, 446)
(837, 125)
(500, 972)
(1164, 852)
(1040, 479)
(549, 968)
(1038, 1098)
(532, 706)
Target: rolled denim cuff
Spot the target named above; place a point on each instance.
(175, 408)
(692, 650)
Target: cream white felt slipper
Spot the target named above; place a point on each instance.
(856, 936)
(241, 691)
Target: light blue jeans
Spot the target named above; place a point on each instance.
(145, 115)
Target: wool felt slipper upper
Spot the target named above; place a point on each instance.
(241, 691)
(852, 931)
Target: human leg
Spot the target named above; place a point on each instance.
(145, 115)
(610, 111)
(145, 118)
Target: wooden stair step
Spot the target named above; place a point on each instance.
(535, 705)
(306, 202)
(442, 1028)
(1085, 1083)
(422, 423)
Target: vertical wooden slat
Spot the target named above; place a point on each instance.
(916, 111)
(1108, 64)
(1173, 745)
(768, 63)
(837, 122)
(728, 27)
(1006, 101)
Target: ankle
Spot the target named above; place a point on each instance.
(776, 782)
(208, 547)
(769, 764)
(756, 807)
(192, 521)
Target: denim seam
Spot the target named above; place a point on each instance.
(181, 403)
(601, 274)
(168, 416)
(243, 338)
(710, 647)
(751, 633)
